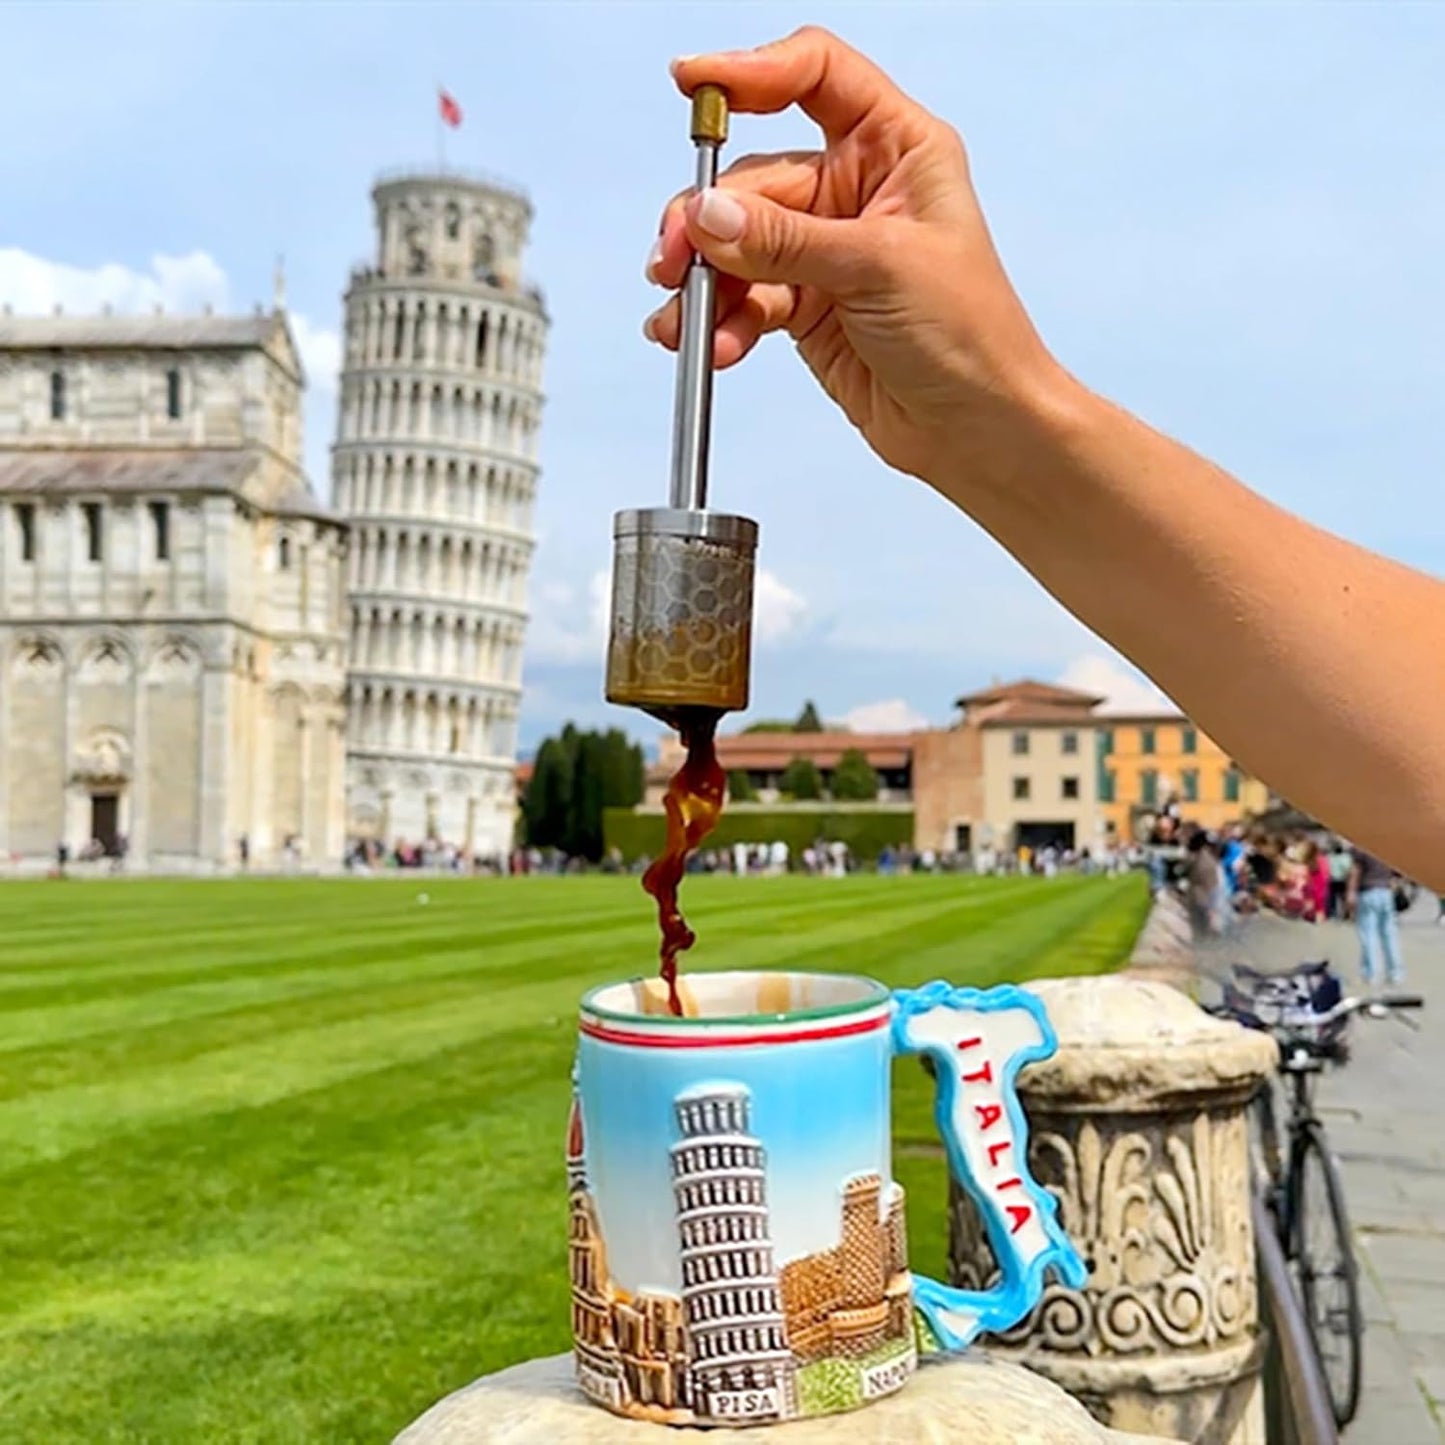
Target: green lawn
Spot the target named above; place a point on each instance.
(281, 1161)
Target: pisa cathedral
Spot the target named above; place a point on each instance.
(198, 656)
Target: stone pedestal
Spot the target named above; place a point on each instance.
(1138, 1126)
(973, 1399)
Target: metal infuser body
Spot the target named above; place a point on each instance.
(682, 576)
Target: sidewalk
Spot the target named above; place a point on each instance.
(1385, 1113)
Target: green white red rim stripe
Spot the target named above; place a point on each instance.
(652, 1032)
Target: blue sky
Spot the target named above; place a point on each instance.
(1229, 218)
(820, 1109)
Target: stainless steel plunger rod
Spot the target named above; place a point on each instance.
(692, 407)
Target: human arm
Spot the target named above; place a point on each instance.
(1313, 662)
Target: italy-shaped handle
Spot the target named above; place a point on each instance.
(977, 1041)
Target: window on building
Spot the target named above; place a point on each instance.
(305, 588)
(283, 553)
(1231, 785)
(482, 340)
(161, 529)
(94, 541)
(1070, 788)
(1149, 787)
(1107, 786)
(1069, 743)
(1021, 790)
(1146, 740)
(1189, 784)
(1106, 742)
(1190, 741)
(1020, 745)
(57, 396)
(25, 526)
(173, 394)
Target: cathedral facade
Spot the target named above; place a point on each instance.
(172, 609)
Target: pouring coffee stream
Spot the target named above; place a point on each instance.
(682, 589)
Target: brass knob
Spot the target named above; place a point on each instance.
(710, 114)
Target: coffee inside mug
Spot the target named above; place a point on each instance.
(738, 997)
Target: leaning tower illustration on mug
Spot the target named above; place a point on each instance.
(742, 1366)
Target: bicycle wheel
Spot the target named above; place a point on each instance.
(1324, 1257)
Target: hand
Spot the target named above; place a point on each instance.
(872, 254)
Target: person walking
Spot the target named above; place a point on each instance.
(872, 253)
(1341, 865)
(1202, 884)
(1372, 901)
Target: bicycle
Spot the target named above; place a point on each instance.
(1307, 1013)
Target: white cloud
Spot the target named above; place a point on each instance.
(320, 353)
(777, 609)
(892, 716)
(33, 285)
(1122, 687)
(569, 623)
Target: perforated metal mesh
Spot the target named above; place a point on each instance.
(682, 618)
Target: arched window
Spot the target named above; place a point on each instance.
(283, 553)
(57, 396)
(398, 340)
(173, 394)
(481, 351)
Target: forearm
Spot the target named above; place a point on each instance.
(1318, 665)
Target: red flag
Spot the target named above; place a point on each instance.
(451, 111)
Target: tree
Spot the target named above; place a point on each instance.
(854, 780)
(575, 776)
(808, 720)
(769, 725)
(802, 781)
(545, 807)
(740, 787)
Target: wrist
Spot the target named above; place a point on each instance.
(1033, 420)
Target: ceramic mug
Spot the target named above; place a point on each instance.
(737, 1247)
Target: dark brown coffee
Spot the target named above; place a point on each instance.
(693, 802)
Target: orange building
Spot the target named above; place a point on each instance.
(1146, 762)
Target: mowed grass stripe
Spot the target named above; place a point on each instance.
(264, 947)
(365, 1208)
(500, 959)
(47, 1125)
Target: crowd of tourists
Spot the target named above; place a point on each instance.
(1309, 877)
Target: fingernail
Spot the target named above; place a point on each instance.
(654, 258)
(649, 327)
(720, 214)
(672, 65)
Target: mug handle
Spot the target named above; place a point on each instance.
(977, 1041)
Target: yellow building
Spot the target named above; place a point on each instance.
(1148, 762)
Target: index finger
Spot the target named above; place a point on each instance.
(811, 68)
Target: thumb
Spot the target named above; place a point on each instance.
(756, 239)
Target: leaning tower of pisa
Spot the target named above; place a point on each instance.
(741, 1362)
(435, 465)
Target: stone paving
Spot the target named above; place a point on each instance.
(1385, 1113)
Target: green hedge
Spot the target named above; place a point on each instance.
(866, 831)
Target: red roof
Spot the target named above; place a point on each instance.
(767, 752)
(1026, 714)
(1045, 694)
